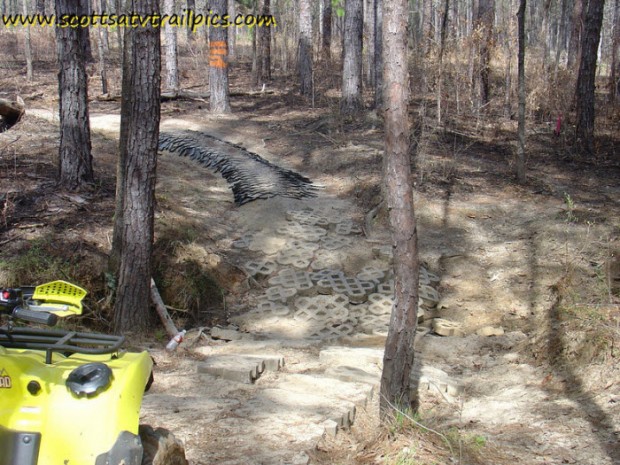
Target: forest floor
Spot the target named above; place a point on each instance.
(538, 260)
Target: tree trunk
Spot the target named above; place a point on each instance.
(305, 47)
(369, 42)
(40, 7)
(520, 162)
(171, 81)
(351, 101)
(191, 6)
(575, 36)
(264, 39)
(140, 113)
(218, 62)
(85, 10)
(101, 50)
(326, 19)
(28, 46)
(587, 74)
(75, 165)
(399, 354)
(614, 78)
(484, 21)
(232, 31)
(378, 6)
(442, 44)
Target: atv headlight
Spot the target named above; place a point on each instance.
(89, 379)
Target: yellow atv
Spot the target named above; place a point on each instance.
(71, 398)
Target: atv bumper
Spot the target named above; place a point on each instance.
(21, 448)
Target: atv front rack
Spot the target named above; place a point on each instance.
(66, 342)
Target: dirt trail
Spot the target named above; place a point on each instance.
(499, 252)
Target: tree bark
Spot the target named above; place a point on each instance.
(171, 56)
(101, 50)
(399, 354)
(140, 113)
(614, 78)
(218, 62)
(442, 44)
(484, 21)
(585, 97)
(378, 101)
(85, 10)
(232, 31)
(191, 6)
(264, 44)
(351, 101)
(28, 46)
(75, 165)
(520, 162)
(305, 47)
(577, 19)
(326, 40)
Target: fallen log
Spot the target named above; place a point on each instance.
(10, 113)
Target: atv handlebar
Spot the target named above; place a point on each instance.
(15, 302)
(32, 316)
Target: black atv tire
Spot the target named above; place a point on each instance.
(161, 447)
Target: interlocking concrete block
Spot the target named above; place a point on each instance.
(299, 244)
(307, 217)
(302, 231)
(380, 304)
(347, 227)
(232, 367)
(332, 331)
(447, 328)
(386, 288)
(371, 375)
(360, 357)
(271, 308)
(370, 273)
(428, 295)
(357, 291)
(431, 378)
(373, 324)
(297, 279)
(260, 268)
(335, 242)
(271, 362)
(316, 276)
(383, 252)
(299, 258)
(243, 242)
(427, 278)
(281, 294)
(322, 308)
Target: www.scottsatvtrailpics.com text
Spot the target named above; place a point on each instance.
(187, 19)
